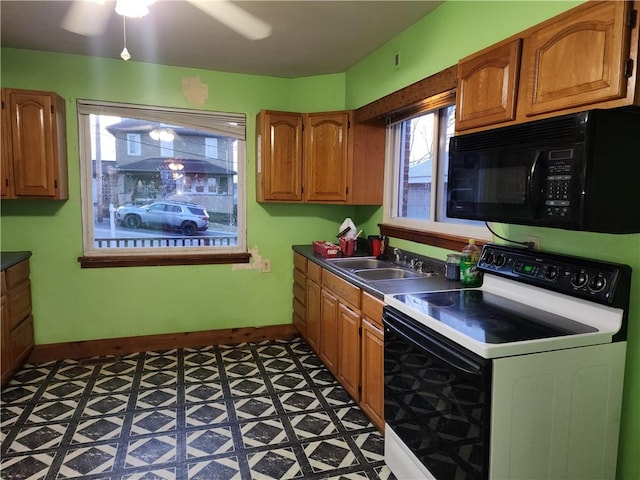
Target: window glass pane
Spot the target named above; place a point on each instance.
(415, 164)
(133, 144)
(419, 149)
(155, 186)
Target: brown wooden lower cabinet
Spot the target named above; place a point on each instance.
(349, 350)
(313, 307)
(329, 330)
(17, 321)
(343, 325)
(372, 392)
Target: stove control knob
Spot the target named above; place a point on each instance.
(500, 260)
(580, 279)
(551, 272)
(488, 258)
(597, 283)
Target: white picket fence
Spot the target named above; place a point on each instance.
(163, 242)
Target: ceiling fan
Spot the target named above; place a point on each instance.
(90, 17)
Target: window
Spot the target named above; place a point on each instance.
(417, 164)
(211, 147)
(166, 148)
(149, 189)
(133, 144)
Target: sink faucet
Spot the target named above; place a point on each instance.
(398, 254)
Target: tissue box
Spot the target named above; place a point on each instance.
(326, 249)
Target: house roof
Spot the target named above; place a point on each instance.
(144, 126)
(193, 166)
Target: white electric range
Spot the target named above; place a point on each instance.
(520, 378)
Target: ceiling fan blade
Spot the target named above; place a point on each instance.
(87, 17)
(234, 17)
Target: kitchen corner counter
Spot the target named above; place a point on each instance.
(380, 288)
(9, 259)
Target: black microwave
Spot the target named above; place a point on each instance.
(578, 172)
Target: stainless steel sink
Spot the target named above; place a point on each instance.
(385, 273)
(359, 263)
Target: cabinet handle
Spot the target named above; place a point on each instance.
(628, 69)
(55, 184)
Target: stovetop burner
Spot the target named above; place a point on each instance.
(489, 318)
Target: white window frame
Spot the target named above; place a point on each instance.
(392, 183)
(226, 124)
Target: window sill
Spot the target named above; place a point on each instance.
(157, 261)
(450, 242)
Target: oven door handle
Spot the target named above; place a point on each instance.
(435, 348)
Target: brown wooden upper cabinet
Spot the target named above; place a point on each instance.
(487, 86)
(34, 154)
(318, 158)
(581, 59)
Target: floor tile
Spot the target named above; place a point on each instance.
(252, 411)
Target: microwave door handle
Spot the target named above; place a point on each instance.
(534, 183)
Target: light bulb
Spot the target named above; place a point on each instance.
(125, 55)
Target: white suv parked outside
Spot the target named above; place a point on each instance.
(166, 215)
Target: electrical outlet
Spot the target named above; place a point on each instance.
(265, 267)
(534, 240)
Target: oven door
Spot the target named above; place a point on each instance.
(436, 399)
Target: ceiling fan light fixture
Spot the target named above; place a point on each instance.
(133, 8)
(125, 55)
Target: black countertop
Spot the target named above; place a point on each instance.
(380, 288)
(9, 259)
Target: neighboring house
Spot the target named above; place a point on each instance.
(419, 194)
(156, 161)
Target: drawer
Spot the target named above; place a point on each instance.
(299, 262)
(21, 340)
(372, 308)
(343, 289)
(299, 308)
(299, 277)
(314, 272)
(19, 303)
(300, 292)
(16, 274)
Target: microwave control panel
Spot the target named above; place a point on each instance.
(558, 188)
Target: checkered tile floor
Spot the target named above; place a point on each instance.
(251, 411)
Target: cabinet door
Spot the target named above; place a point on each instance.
(39, 161)
(313, 312)
(487, 86)
(577, 60)
(372, 394)
(326, 156)
(349, 350)
(6, 183)
(279, 158)
(329, 331)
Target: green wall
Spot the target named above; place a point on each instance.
(82, 304)
(459, 28)
(73, 304)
